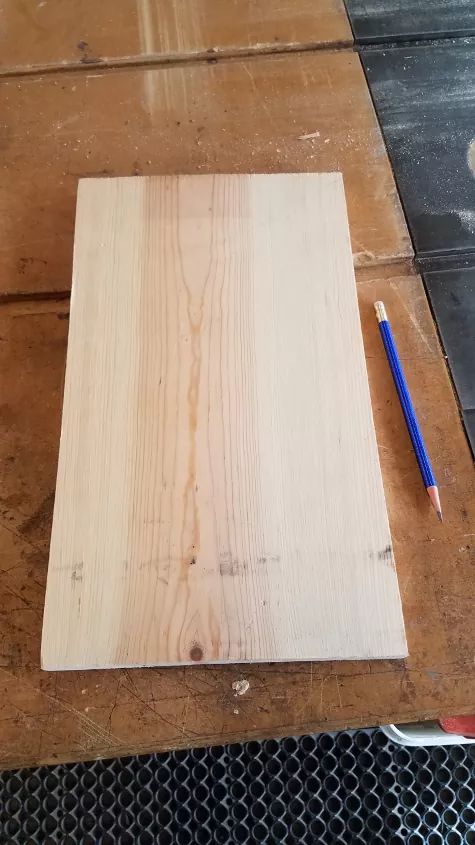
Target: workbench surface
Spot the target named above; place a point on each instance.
(239, 114)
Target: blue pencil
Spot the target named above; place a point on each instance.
(408, 408)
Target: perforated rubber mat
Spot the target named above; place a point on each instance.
(349, 787)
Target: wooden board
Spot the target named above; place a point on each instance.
(46, 717)
(219, 496)
(49, 34)
(230, 117)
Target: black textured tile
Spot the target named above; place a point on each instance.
(425, 99)
(452, 296)
(374, 21)
(469, 420)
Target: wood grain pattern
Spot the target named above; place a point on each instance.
(38, 36)
(219, 496)
(229, 117)
(47, 717)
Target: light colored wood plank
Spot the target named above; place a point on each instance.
(51, 717)
(229, 117)
(56, 34)
(219, 496)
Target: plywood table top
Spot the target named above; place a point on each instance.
(236, 116)
(252, 115)
(39, 36)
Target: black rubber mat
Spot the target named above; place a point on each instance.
(425, 101)
(452, 294)
(374, 21)
(349, 787)
(469, 421)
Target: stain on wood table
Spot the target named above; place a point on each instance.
(230, 117)
(80, 715)
(43, 35)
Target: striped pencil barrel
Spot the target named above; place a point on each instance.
(408, 408)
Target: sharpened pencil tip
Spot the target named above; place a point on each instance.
(435, 499)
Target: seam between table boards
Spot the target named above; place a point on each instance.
(210, 56)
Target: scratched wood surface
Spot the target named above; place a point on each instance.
(42, 35)
(249, 117)
(298, 112)
(206, 510)
(79, 715)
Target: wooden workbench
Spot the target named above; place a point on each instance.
(140, 98)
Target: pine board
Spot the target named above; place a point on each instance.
(219, 496)
(120, 712)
